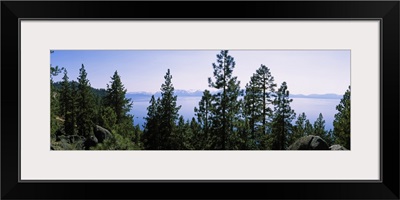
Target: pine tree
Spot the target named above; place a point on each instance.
(184, 135)
(67, 105)
(319, 126)
(54, 102)
(198, 140)
(225, 104)
(71, 116)
(65, 94)
(252, 117)
(151, 137)
(245, 134)
(108, 118)
(265, 82)
(258, 101)
(85, 104)
(341, 123)
(300, 128)
(330, 138)
(168, 111)
(115, 98)
(282, 118)
(309, 129)
(203, 114)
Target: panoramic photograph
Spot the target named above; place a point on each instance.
(200, 100)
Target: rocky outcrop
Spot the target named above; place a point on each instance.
(90, 141)
(310, 142)
(65, 142)
(337, 147)
(70, 138)
(101, 133)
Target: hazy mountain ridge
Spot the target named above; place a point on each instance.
(195, 93)
(199, 93)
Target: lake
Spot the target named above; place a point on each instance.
(310, 106)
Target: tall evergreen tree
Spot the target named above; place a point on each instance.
(251, 110)
(309, 129)
(85, 104)
(71, 115)
(225, 104)
(245, 137)
(151, 136)
(184, 135)
(300, 128)
(258, 100)
(54, 102)
(67, 105)
(282, 118)
(198, 140)
(341, 123)
(319, 126)
(203, 114)
(264, 80)
(116, 99)
(65, 94)
(168, 111)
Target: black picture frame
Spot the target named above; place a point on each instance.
(386, 11)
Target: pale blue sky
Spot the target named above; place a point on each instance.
(305, 71)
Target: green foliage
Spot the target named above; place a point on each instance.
(183, 136)
(117, 142)
(108, 118)
(319, 130)
(54, 71)
(251, 113)
(264, 81)
(151, 137)
(258, 98)
(309, 129)
(300, 128)
(160, 127)
(319, 126)
(168, 111)
(199, 140)
(329, 137)
(67, 145)
(282, 118)
(204, 122)
(85, 104)
(341, 123)
(126, 128)
(115, 98)
(225, 105)
(68, 105)
(81, 107)
(54, 103)
(65, 94)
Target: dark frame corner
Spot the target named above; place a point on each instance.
(13, 11)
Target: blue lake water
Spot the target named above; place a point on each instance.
(310, 106)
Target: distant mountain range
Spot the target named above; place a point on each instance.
(316, 96)
(185, 93)
(198, 93)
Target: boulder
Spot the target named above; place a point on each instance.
(337, 147)
(310, 142)
(63, 138)
(59, 133)
(75, 138)
(70, 138)
(90, 141)
(101, 133)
